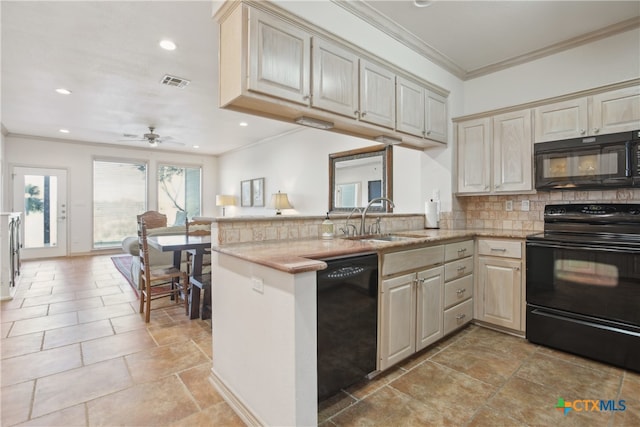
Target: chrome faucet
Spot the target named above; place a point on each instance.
(364, 213)
(347, 225)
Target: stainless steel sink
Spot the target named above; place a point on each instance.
(382, 238)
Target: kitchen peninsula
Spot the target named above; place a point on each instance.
(264, 311)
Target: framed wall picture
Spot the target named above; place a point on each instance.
(246, 196)
(257, 191)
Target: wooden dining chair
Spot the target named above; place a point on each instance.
(159, 282)
(153, 219)
(198, 228)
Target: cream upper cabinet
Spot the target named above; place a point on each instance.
(607, 112)
(495, 154)
(561, 120)
(377, 94)
(512, 152)
(499, 295)
(335, 78)
(474, 156)
(279, 58)
(616, 111)
(420, 111)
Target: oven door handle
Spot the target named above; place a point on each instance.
(579, 246)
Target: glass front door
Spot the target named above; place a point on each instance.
(41, 195)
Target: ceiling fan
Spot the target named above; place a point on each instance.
(152, 138)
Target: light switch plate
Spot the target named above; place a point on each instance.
(508, 205)
(525, 205)
(257, 284)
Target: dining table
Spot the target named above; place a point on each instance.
(177, 243)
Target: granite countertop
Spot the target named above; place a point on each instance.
(298, 256)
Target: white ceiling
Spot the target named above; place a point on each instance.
(107, 54)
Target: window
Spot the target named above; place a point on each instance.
(119, 195)
(178, 192)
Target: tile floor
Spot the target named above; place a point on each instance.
(75, 352)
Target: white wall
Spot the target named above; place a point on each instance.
(606, 61)
(77, 159)
(2, 167)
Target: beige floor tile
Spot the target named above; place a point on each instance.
(219, 414)
(98, 292)
(23, 313)
(439, 386)
(136, 321)
(117, 345)
(156, 403)
(176, 332)
(77, 333)
(15, 403)
(487, 417)
(23, 344)
(75, 305)
(334, 405)
(44, 323)
(205, 344)
(119, 298)
(197, 381)
(99, 313)
(573, 379)
(48, 299)
(36, 365)
(16, 302)
(44, 289)
(80, 385)
(76, 416)
(389, 407)
(151, 364)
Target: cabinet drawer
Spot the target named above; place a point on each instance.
(458, 316)
(458, 250)
(396, 262)
(458, 291)
(501, 248)
(456, 269)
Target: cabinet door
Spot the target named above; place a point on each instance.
(436, 123)
(397, 320)
(512, 152)
(279, 58)
(474, 156)
(616, 111)
(429, 307)
(335, 78)
(499, 291)
(567, 119)
(377, 95)
(410, 107)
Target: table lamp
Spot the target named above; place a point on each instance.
(280, 201)
(223, 200)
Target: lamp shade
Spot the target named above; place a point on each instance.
(280, 201)
(222, 200)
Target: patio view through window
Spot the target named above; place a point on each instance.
(178, 192)
(40, 220)
(119, 194)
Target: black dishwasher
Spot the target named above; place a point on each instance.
(347, 322)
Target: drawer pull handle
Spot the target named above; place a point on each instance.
(499, 249)
(460, 291)
(460, 316)
(461, 268)
(461, 251)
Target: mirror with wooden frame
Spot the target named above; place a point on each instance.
(358, 176)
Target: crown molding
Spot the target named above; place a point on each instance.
(401, 34)
(374, 18)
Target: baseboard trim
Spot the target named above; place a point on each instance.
(236, 403)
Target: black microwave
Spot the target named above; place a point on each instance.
(595, 162)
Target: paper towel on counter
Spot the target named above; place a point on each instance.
(432, 214)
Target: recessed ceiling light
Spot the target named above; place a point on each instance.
(422, 3)
(244, 124)
(167, 45)
(64, 130)
(196, 146)
(63, 91)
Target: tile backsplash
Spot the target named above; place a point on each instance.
(490, 211)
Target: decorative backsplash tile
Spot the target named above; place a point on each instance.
(490, 212)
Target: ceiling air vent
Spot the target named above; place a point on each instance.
(174, 81)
